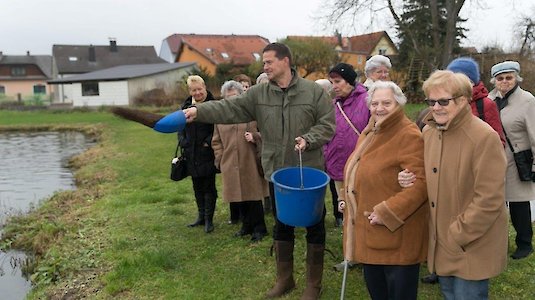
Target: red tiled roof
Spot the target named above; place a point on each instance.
(240, 49)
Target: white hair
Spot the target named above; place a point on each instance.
(380, 85)
(375, 62)
(518, 78)
(231, 85)
(325, 84)
(262, 78)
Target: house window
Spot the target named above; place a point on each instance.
(382, 51)
(39, 89)
(18, 71)
(256, 56)
(73, 58)
(360, 60)
(2, 90)
(225, 55)
(90, 88)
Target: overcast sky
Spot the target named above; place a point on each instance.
(36, 25)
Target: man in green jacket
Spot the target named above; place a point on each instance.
(293, 114)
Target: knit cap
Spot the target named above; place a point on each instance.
(345, 71)
(467, 66)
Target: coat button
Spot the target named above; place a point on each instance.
(432, 204)
(354, 193)
(434, 170)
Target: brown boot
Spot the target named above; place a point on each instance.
(284, 256)
(314, 271)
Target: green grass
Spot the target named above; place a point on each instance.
(122, 234)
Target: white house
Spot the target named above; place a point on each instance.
(122, 84)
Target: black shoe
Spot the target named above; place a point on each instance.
(339, 222)
(257, 237)
(198, 222)
(241, 233)
(521, 253)
(208, 226)
(431, 278)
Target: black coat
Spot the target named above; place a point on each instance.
(196, 141)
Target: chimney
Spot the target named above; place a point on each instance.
(28, 53)
(113, 45)
(92, 55)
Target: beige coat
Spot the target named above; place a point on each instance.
(371, 182)
(465, 170)
(236, 158)
(518, 119)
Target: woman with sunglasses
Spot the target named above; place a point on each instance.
(517, 112)
(465, 168)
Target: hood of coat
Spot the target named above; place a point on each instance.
(479, 91)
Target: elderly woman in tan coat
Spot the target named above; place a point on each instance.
(235, 153)
(465, 170)
(385, 226)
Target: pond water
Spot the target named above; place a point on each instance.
(32, 167)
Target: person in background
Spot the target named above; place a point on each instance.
(262, 78)
(195, 140)
(376, 68)
(517, 112)
(244, 80)
(465, 169)
(385, 226)
(293, 115)
(236, 158)
(482, 106)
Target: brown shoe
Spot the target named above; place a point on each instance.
(314, 271)
(285, 266)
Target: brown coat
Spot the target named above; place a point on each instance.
(371, 184)
(465, 171)
(236, 158)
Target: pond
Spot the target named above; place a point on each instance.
(33, 167)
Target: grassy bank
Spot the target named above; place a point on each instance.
(122, 233)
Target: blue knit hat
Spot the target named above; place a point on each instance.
(467, 66)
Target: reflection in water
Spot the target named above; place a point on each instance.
(32, 167)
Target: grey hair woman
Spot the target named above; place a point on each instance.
(231, 86)
(376, 68)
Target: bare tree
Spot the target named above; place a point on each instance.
(441, 52)
(526, 32)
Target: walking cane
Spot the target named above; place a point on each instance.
(342, 293)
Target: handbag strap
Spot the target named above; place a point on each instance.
(507, 138)
(347, 119)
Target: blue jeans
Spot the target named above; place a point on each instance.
(455, 288)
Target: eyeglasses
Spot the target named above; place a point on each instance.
(441, 102)
(508, 78)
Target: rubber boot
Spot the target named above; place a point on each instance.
(209, 209)
(200, 216)
(314, 271)
(284, 257)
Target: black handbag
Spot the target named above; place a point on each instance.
(523, 161)
(179, 168)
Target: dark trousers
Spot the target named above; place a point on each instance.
(205, 194)
(334, 193)
(253, 216)
(235, 214)
(283, 232)
(521, 218)
(389, 282)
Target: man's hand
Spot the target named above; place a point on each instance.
(191, 114)
(300, 144)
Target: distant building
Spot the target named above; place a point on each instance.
(122, 84)
(355, 50)
(25, 76)
(210, 50)
(79, 59)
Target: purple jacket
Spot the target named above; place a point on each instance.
(343, 143)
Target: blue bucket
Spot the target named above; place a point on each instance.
(173, 122)
(296, 206)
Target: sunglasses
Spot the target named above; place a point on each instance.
(441, 102)
(508, 78)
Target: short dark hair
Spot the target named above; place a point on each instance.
(281, 51)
